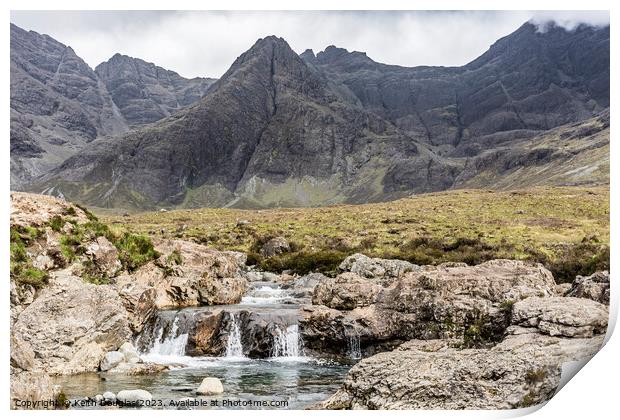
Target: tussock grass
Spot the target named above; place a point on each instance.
(565, 228)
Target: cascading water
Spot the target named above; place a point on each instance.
(265, 294)
(173, 344)
(234, 348)
(287, 343)
(354, 350)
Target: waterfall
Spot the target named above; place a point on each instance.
(287, 343)
(234, 348)
(173, 344)
(167, 336)
(354, 350)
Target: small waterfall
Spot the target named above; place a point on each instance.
(287, 343)
(234, 348)
(265, 294)
(166, 336)
(354, 350)
(173, 344)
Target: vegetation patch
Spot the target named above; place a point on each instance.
(135, 250)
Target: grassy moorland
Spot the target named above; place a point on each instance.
(565, 228)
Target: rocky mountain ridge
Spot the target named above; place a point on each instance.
(59, 104)
(281, 129)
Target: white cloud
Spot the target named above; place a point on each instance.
(206, 43)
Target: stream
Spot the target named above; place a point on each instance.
(286, 378)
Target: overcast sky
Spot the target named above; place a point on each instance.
(206, 43)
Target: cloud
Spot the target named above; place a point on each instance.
(569, 19)
(205, 43)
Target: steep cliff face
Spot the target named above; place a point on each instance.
(57, 105)
(144, 92)
(528, 80)
(271, 131)
(281, 129)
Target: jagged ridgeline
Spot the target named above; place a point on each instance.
(282, 129)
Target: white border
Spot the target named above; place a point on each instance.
(593, 394)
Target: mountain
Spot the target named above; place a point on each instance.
(59, 104)
(529, 80)
(144, 92)
(271, 131)
(281, 129)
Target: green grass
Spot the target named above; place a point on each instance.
(565, 228)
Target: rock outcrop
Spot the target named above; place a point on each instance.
(435, 375)
(595, 287)
(450, 300)
(186, 274)
(72, 324)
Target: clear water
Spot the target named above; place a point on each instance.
(289, 378)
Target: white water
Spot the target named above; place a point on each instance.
(265, 295)
(173, 345)
(354, 350)
(234, 348)
(287, 343)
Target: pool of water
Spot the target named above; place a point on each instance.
(291, 381)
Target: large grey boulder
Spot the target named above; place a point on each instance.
(450, 300)
(562, 316)
(72, 325)
(436, 374)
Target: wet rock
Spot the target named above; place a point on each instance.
(221, 291)
(562, 316)
(210, 386)
(595, 287)
(139, 293)
(137, 368)
(72, 324)
(130, 353)
(111, 359)
(347, 291)
(368, 267)
(133, 397)
(275, 246)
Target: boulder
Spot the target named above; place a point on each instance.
(111, 359)
(450, 300)
(136, 369)
(72, 324)
(347, 291)
(275, 246)
(562, 316)
(133, 397)
(109, 396)
(210, 386)
(595, 287)
(221, 291)
(22, 355)
(104, 256)
(130, 353)
(32, 388)
(436, 374)
(368, 267)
